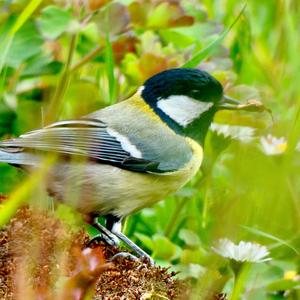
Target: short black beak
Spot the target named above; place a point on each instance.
(229, 103)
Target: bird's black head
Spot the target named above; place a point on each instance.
(185, 99)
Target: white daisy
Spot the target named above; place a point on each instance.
(241, 133)
(272, 145)
(242, 252)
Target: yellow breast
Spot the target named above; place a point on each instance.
(191, 168)
(145, 189)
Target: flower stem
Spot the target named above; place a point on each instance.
(205, 209)
(56, 103)
(239, 282)
(174, 218)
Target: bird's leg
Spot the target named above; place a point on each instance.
(140, 252)
(105, 234)
(111, 234)
(114, 225)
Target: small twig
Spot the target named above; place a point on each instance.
(86, 58)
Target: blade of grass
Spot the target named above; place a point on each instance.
(55, 106)
(174, 217)
(197, 58)
(25, 15)
(270, 236)
(7, 41)
(23, 192)
(109, 60)
(292, 34)
(3, 69)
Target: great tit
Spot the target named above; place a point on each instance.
(136, 152)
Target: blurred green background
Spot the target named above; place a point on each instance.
(64, 59)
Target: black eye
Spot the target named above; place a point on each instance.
(194, 92)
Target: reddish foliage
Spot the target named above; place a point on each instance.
(123, 45)
(90, 264)
(96, 4)
(167, 14)
(3, 198)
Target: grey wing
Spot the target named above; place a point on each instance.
(85, 137)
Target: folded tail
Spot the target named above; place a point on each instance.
(19, 158)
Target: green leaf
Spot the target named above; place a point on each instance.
(163, 248)
(9, 178)
(146, 240)
(26, 43)
(81, 98)
(24, 16)
(41, 65)
(54, 21)
(6, 118)
(207, 51)
(194, 256)
(282, 285)
(189, 237)
(160, 16)
(115, 18)
(177, 38)
(24, 121)
(189, 271)
(6, 40)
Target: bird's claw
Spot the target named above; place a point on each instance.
(125, 255)
(132, 257)
(114, 242)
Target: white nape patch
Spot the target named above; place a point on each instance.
(140, 89)
(183, 109)
(125, 143)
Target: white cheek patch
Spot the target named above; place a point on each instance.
(183, 109)
(125, 143)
